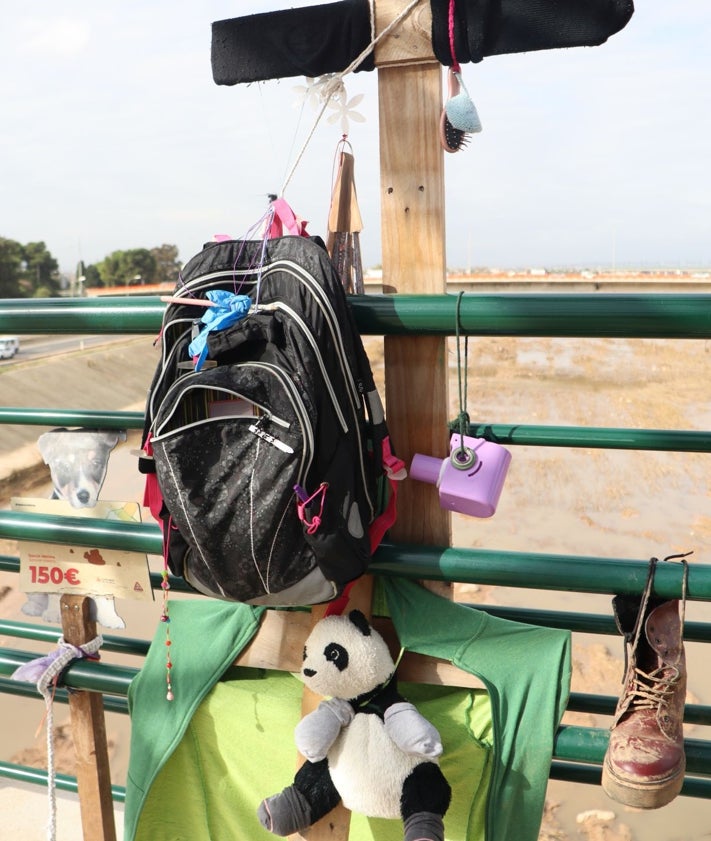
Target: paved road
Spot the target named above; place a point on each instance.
(38, 347)
(112, 375)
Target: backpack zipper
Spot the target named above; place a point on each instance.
(196, 284)
(294, 397)
(278, 305)
(299, 408)
(324, 304)
(330, 316)
(165, 360)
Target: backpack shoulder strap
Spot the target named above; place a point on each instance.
(394, 469)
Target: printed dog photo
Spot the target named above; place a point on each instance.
(77, 461)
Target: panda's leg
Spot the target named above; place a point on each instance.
(425, 798)
(285, 813)
(311, 796)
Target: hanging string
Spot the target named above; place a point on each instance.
(334, 85)
(292, 145)
(269, 219)
(45, 673)
(462, 420)
(340, 148)
(684, 581)
(647, 592)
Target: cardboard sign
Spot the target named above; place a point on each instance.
(82, 570)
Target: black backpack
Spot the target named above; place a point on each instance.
(269, 459)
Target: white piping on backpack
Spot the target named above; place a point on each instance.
(316, 291)
(255, 562)
(355, 398)
(351, 386)
(196, 542)
(277, 305)
(297, 403)
(158, 432)
(325, 305)
(296, 270)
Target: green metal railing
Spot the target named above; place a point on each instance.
(607, 438)
(578, 750)
(532, 570)
(660, 316)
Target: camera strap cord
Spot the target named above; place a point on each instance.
(461, 422)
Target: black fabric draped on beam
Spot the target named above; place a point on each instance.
(309, 41)
(497, 27)
(314, 40)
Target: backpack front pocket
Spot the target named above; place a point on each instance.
(227, 459)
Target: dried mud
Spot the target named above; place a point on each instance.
(589, 502)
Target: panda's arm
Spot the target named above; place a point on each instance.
(318, 730)
(411, 731)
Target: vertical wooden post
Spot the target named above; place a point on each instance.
(413, 255)
(89, 733)
(335, 825)
(413, 259)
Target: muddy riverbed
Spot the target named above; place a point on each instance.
(565, 501)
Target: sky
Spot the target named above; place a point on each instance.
(114, 136)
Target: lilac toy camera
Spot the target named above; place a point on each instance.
(471, 479)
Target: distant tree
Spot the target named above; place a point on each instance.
(127, 268)
(167, 264)
(10, 268)
(40, 270)
(92, 276)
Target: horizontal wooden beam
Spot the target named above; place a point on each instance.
(410, 41)
(279, 644)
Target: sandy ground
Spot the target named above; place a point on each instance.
(582, 502)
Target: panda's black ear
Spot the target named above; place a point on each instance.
(359, 620)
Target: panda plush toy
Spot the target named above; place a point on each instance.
(364, 745)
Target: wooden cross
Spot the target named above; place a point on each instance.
(416, 393)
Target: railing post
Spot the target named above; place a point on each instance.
(89, 733)
(413, 256)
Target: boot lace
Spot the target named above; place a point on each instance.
(652, 691)
(642, 612)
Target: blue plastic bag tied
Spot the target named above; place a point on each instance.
(226, 310)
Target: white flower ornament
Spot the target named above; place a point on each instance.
(345, 111)
(309, 94)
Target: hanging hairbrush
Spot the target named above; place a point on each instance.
(459, 116)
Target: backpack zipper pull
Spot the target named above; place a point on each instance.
(256, 429)
(303, 506)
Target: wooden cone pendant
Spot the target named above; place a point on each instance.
(345, 225)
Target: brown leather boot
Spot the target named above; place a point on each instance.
(645, 762)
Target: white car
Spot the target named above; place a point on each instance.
(9, 345)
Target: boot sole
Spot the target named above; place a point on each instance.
(652, 795)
